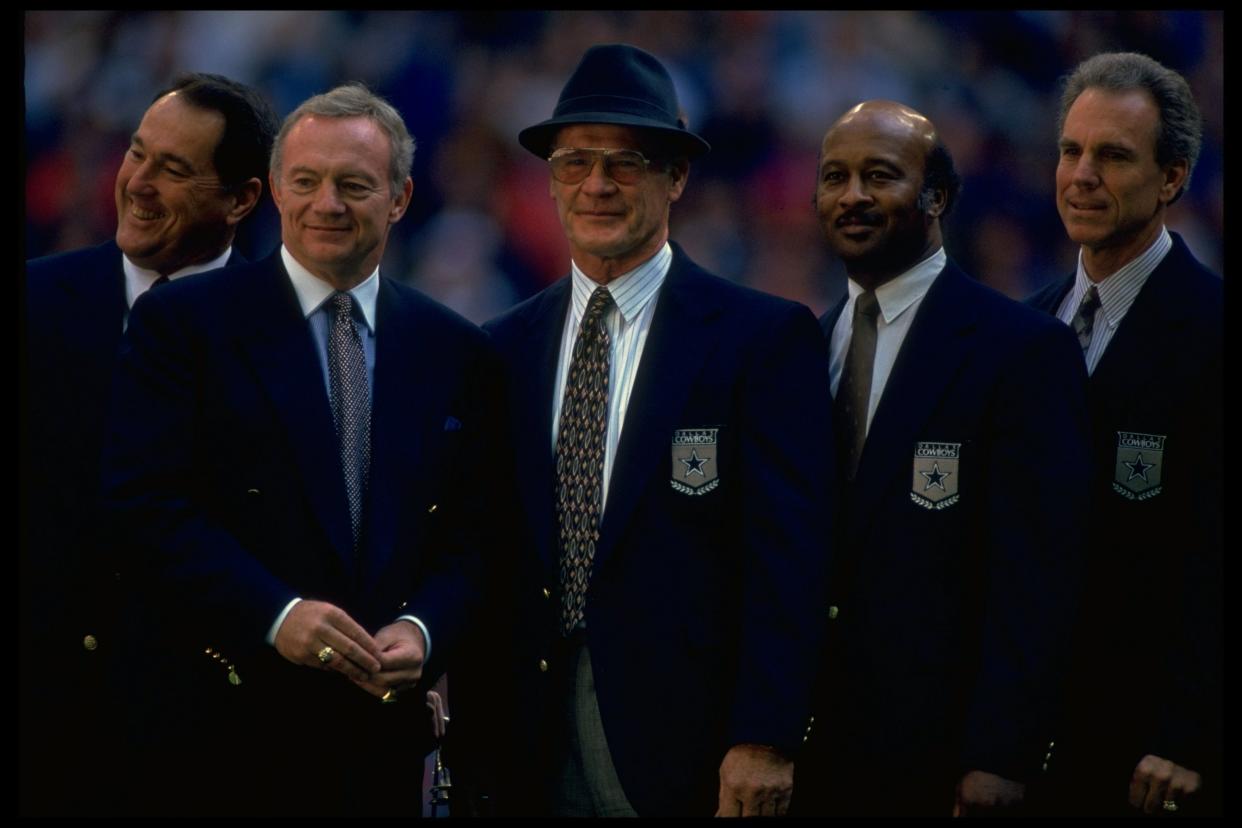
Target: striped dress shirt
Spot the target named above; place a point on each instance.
(1117, 294)
(628, 325)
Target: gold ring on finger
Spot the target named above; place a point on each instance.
(1169, 805)
(325, 655)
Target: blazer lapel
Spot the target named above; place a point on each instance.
(931, 355)
(1149, 325)
(96, 310)
(670, 362)
(532, 418)
(407, 416)
(282, 350)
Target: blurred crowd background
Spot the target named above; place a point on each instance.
(760, 86)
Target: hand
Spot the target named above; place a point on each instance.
(755, 780)
(1158, 780)
(401, 654)
(312, 625)
(980, 793)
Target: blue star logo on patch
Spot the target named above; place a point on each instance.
(690, 474)
(1138, 468)
(694, 464)
(935, 477)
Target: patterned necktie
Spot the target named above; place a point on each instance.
(580, 456)
(1084, 319)
(351, 404)
(854, 391)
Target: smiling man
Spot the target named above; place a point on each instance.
(961, 433)
(1143, 728)
(293, 459)
(192, 174)
(676, 483)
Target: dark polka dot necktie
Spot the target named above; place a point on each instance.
(580, 456)
(854, 391)
(351, 405)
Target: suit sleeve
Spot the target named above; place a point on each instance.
(1191, 706)
(788, 468)
(190, 565)
(1035, 525)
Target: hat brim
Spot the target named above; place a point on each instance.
(538, 138)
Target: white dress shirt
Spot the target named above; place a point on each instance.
(138, 280)
(899, 301)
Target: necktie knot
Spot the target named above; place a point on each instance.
(598, 305)
(867, 305)
(1084, 320)
(343, 304)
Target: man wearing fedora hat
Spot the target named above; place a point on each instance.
(676, 491)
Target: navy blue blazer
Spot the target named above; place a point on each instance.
(954, 583)
(702, 608)
(74, 313)
(1151, 628)
(223, 468)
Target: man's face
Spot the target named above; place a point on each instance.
(622, 224)
(171, 209)
(870, 176)
(334, 197)
(1110, 190)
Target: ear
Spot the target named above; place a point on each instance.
(678, 173)
(245, 199)
(935, 201)
(402, 202)
(1174, 180)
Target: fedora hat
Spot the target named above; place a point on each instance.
(617, 84)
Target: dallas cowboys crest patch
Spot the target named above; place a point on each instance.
(1139, 459)
(694, 461)
(936, 474)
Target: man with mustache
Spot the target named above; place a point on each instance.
(1144, 723)
(961, 429)
(676, 492)
(192, 174)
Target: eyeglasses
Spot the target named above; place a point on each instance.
(571, 165)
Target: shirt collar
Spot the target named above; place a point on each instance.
(1118, 290)
(896, 295)
(138, 280)
(313, 291)
(631, 291)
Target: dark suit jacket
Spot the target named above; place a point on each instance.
(223, 467)
(74, 312)
(1148, 672)
(944, 653)
(701, 610)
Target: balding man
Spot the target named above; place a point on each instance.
(962, 447)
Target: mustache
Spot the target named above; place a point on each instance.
(860, 217)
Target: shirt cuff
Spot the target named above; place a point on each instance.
(426, 635)
(280, 619)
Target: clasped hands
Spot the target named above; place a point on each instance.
(386, 663)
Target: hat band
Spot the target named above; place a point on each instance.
(619, 104)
